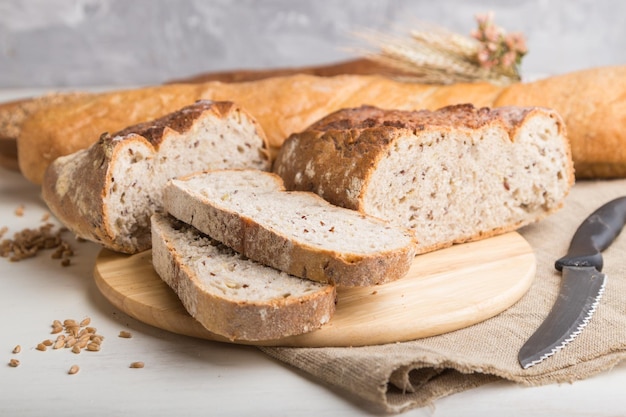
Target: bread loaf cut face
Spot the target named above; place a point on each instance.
(296, 232)
(107, 192)
(453, 175)
(231, 295)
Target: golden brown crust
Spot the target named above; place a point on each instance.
(359, 66)
(457, 116)
(179, 121)
(593, 104)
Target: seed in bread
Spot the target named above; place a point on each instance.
(296, 232)
(231, 295)
(108, 192)
(453, 175)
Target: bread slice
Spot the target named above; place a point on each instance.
(296, 232)
(233, 296)
(453, 175)
(108, 192)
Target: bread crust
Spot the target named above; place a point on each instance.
(75, 187)
(236, 320)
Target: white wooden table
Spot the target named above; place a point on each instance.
(185, 376)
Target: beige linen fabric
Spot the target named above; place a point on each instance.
(397, 377)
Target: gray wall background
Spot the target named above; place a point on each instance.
(66, 43)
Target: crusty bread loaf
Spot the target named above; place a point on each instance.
(591, 103)
(453, 175)
(233, 296)
(295, 232)
(107, 192)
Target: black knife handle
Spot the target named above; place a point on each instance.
(594, 235)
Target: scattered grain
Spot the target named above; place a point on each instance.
(76, 349)
(85, 337)
(125, 334)
(28, 242)
(47, 342)
(137, 365)
(20, 210)
(41, 347)
(93, 347)
(70, 342)
(85, 322)
(45, 217)
(58, 344)
(17, 349)
(14, 363)
(70, 323)
(73, 370)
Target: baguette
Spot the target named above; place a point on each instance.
(591, 102)
(107, 192)
(453, 175)
(298, 233)
(233, 296)
(14, 113)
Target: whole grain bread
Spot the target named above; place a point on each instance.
(453, 175)
(591, 102)
(295, 232)
(233, 296)
(107, 192)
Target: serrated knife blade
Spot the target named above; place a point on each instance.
(582, 284)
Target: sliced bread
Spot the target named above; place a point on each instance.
(296, 232)
(453, 175)
(233, 296)
(108, 192)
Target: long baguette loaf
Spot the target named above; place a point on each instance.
(591, 103)
(233, 296)
(453, 175)
(14, 113)
(107, 192)
(296, 232)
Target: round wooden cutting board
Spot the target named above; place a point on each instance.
(444, 291)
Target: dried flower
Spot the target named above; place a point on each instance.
(498, 49)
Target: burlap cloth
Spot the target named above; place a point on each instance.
(401, 376)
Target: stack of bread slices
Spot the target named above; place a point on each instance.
(259, 255)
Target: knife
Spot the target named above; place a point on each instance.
(582, 284)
